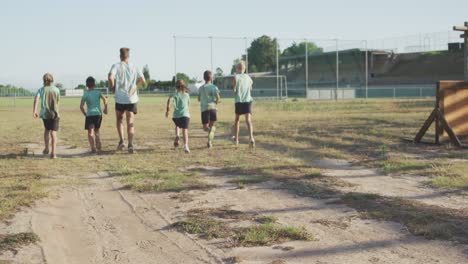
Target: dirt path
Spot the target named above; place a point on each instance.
(99, 222)
(409, 187)
(341, 237)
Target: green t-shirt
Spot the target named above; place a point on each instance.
(181, 104)
(50, 96)
(243, 88)
(207, 94)
(92, 98)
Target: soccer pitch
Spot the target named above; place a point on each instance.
(322, 172)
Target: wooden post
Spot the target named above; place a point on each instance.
(464, 29)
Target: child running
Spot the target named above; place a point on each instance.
(181, 116)
(50, 97)
(208, 96)
(92, 98)
(242, 89)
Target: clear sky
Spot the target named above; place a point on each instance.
(75, 39)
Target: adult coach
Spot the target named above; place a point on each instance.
(123, 80)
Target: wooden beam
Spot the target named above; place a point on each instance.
(453, 138)
(426, 126)
(460, 28)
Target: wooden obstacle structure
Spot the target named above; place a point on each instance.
(450, 114)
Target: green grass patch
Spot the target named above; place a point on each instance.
(206, 228)
(403, 165)
(269, 234)
(155, 181)
(450, 182)
(13, 241)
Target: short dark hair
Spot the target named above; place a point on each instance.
(180, 85)
(207, 76)
(124, 52)
(90, 82)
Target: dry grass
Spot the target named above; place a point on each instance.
(432, 222)
(290, 136)
(211, 223)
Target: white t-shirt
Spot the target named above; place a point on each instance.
(126, 76)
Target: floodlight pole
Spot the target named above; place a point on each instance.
(246, 56)
(211, 52)
(175, 58)
(337, 71)
(464, 29)
(306, 65)
(367, 68)
(277, 70)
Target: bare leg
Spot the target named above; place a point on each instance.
(206, 127)
(53, 135)
(98, 139)
(185, 132)
(46, 141)
(177, 131)
(248, 120)
(130, 127)
(119, 124)
(91, 139)
(236, 129)
(211, 133)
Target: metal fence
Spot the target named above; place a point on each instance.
(340, 63)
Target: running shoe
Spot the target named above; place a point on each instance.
(186, 149)
(252, 144)
(120, 146)
(176, 142)
(131, 150)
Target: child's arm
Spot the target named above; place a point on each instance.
(111, 82)
(104, 100)
(234, 83)
(82, 107)
(36, 99)
(168, 106)
(218, 98)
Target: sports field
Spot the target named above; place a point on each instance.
(329, 182)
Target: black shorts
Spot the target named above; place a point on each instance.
(51, 124)
(127, 108)
(209, 116)
(182, 122)
(243, 108)
(93, 122)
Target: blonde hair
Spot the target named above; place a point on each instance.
(48, 79)
(241, 66)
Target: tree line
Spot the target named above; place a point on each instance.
(261, 58)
